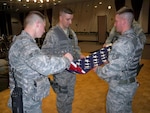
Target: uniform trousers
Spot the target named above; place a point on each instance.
(119, 98)
(65, 80)
(29, 105)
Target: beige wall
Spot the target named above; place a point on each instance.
(143, 19)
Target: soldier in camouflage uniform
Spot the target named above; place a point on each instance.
(113, 35)
(59, 40)
(31, 66)
(121, 70)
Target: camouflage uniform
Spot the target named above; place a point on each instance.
(121, 71)
(113, 36)
(31, 70)
(58, 43)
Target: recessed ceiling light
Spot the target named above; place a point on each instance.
(95, 6)
(55, 3)
(100, 3)
(17, 9)
(59, 1)
(109, 7)
(4, 3)
(41, 1)
(24, 5)
(41, 6)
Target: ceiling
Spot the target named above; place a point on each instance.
(23, 5)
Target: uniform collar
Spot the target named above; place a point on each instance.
(128, 32)
(28, 35)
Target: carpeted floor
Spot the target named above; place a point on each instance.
(90, 94)
(3, 82)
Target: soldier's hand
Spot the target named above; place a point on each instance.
(106, 62)
(82, 56)
(95, 68)
(104, 45)
(69, 56)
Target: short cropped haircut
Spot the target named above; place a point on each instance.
(127, 13)
(33, 16)
(125, 9)
(66, 10)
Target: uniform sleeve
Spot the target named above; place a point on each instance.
(118, 57)
(49, 42)
(77, 48)
(41, 63)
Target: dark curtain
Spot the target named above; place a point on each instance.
(3, 23)
(49, 14)
(119, 4)
(9, 24)
(21, 15)
(149, 19)
(136, 5)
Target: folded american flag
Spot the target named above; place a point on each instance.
(82, 66)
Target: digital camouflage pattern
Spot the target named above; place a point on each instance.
(31, 70)
(57, 42)
(121, 71)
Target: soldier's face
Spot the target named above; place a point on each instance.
(118, 23)
(66, 20)
(40, 29)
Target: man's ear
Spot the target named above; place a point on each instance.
(37, 23)
(60, 18)
(123, 22)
